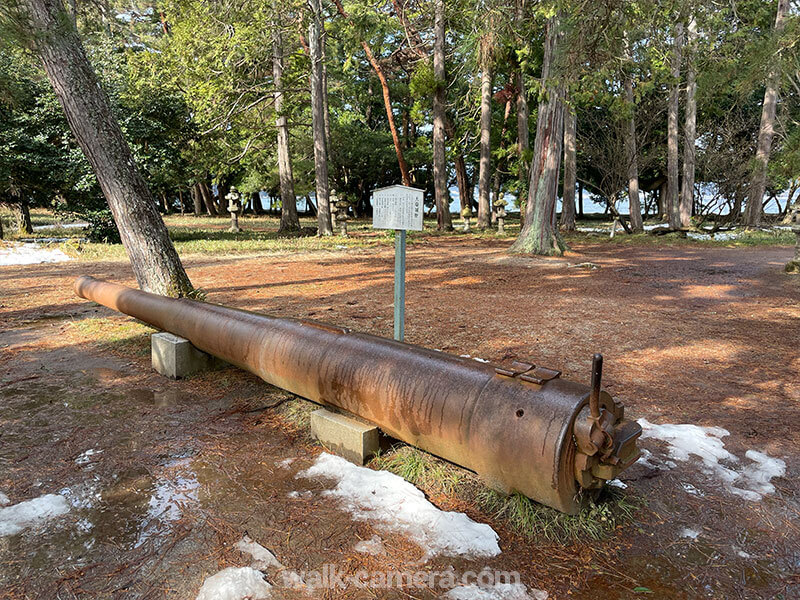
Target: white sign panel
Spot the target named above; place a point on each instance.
(397, 207)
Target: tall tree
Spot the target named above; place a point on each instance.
(690, 127)
(539, 235)
(289, 219)
(523, 113)
(387, 99)
(484, 173)
(635, 208)
(568, 195)
(443, 219)
(51, 33)
(672, 129)
(315, 41)
(758, 179)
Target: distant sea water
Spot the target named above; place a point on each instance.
(591, 203)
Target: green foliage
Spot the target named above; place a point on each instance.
(102, 228)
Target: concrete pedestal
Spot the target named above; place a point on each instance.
(175, 357)
(351, 439)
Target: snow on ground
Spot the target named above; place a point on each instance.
(235, 583)
(60, 226)
(284, 464)
(397, 506)
(296, 494)
(17, 517)
(262, 558)
(751, 481)
(688, 532)
(29, 254)
(480, 360)
(4, 499)
(373, 546)
(498, 591)
(167, 501)
(85, 457)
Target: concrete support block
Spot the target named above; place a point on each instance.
(175, 357)
(349, 438)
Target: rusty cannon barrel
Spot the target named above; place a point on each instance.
(519, 426)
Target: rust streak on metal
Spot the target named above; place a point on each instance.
(522, 428)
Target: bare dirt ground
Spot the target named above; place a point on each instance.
(690, 335)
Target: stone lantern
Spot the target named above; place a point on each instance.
(234, 199)
(499, 206)
(339, 208)
(466, 214)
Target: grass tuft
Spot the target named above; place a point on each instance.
(297, 412)
(599, 520)
(421, 469)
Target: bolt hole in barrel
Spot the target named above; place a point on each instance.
(520, 412)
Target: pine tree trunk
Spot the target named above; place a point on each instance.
(326, 112)
(568, 194)
(208, 199)
(634, 205)
(324, 224)
(484, 207)
(154, 260)
(443, 219)
(289, 218)
(255, 201)
(496, 193)
(523, 112)
(690, 129)
(24, 224)
(539, 235)
(197, 200)
(758, 179)
(672, 131)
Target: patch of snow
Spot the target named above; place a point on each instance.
(690, 533)
(296, 494)
(480, 360)
(719, 236)
(29, 254)
(60, 226)
(617, 483)
(592, 230)
(167, 502)
(499, 591)
(264, 559)
(647, 459)
(690, 489)
(684, 440)
(758, 475)
(87, 456)
(742, 554)
(235, 583)
(4, 499)
(373, 546)
(284, 464)
(84, 525)
(17, 517)
(397, 506)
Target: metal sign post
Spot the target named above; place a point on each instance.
(399, 284)
(398, 207)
